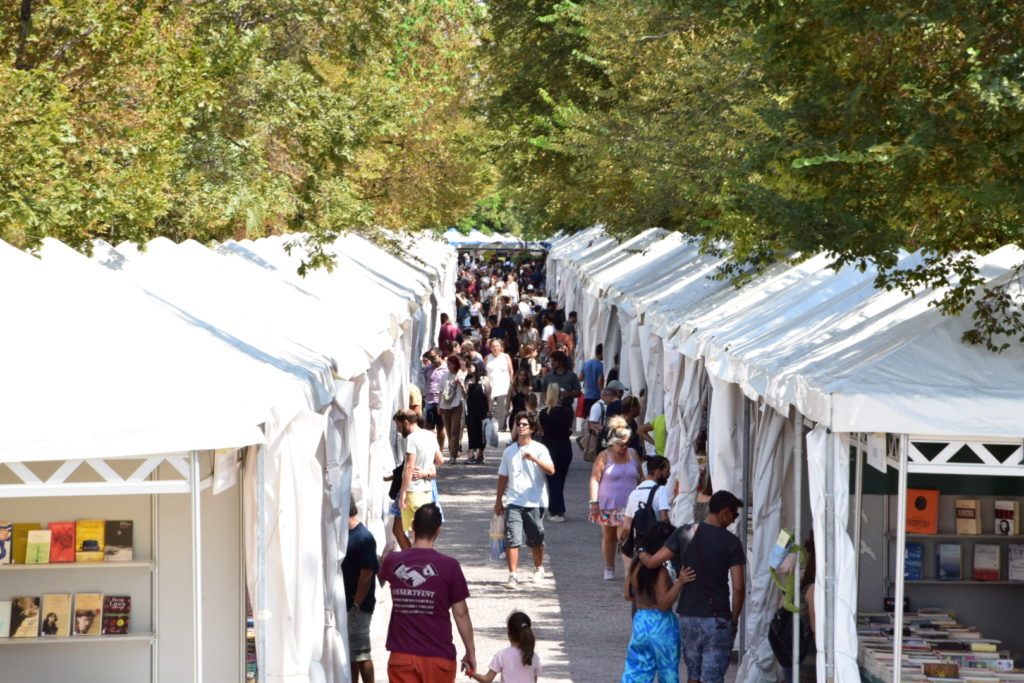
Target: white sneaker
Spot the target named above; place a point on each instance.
(538, 574)
(609, 573)
(558, 519)
(513, 581)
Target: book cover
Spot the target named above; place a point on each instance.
(89, 540)
(968, 516)
(1015, 566)
(118, 539)
(117, 613)
(1007, 517)
(986, 562)
(62, 541)
(20, 540)
(24, 617)
(913, 569)
(6, 544)
(941, 670)
(56, 615)
(5, 618)
(37, 549)
(949, 561)
(922, 511)
(88, 614)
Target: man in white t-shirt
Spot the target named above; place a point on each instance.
(521, 478)
(422, 456)
(658, 470)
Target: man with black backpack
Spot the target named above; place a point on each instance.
(648, 504)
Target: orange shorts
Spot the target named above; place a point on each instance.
(403, 668)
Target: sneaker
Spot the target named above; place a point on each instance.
(609, 573)
(513, 581)
(452, 460)
(558, 519)
(538, 574)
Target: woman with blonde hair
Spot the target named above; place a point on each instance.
(556, 426)
(616, 472)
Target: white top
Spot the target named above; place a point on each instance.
(639, 495)
(456, 382)
(423, 444)
(527, 485)
(513, 291)
(595, 411)
(497, 373)
(548, 331)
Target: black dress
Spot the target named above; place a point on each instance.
(476, 410)
(556, 424)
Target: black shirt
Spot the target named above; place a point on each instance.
(556, 423)
(361, 554)
(711, 552)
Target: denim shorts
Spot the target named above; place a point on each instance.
(520, 521)
(707, 646)
(432, 417)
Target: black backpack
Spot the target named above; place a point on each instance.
(780, 637)
(643, 521)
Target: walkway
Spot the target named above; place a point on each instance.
(582, 622)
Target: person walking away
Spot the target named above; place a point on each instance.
(658, 470)
(478, 409)
(422, 456)
(592, 377)
(518, 663)
(598, 418)
(499, 372)
(631, 409)
(708, 619)
(528, 334)
(566, 380)
(434, 373)
(519, 476)
(654, 645)
(560, 337)
(448, 336)
(453, 393)
(358, 570)
(616, 472)
(556, 426)
(425, 587)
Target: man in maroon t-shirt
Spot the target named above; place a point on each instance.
(425, 585)
(448, 335)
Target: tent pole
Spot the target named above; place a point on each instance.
(830, 557)
(260, 613)
(197, 580)
(744, 524)
(798, 484)
(901, 558)
(858, 507)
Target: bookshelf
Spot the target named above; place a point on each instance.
(81, 640)
(57, 566)
(959, 582)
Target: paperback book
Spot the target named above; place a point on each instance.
(37, 550)
(118, 539)
(62, 541)
(1007, 517)
(6, 543)
(914, 563)
(5, 618)
(24, 617)
(949, 561)
(88, 614)
(986, 562)
(20, 540)
(89, 540)
(117, 614)
(922, 511)
(968, 516)
(56, 615)
(1015, 565)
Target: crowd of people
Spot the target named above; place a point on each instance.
(504, 370)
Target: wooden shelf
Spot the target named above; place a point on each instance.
(961, 582)
(966, 537)
(85, 640)
(78, 565)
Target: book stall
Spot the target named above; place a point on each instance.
(163, 437)
(790, 374)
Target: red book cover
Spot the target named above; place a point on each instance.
(922, 511)
(62, 541)
(117, 613)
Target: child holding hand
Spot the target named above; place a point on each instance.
(517, 663)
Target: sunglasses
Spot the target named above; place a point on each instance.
(522, 424)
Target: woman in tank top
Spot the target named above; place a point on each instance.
(616, 472)
(499, 373)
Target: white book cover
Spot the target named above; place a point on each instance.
(5, 618)
(1016, 564)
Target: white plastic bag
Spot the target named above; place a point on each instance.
(491, 432)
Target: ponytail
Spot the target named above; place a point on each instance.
(521, 633)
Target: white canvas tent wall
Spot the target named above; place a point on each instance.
(830, 345)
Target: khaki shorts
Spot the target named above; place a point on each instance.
(359, 634)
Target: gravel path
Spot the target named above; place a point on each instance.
(582, 622)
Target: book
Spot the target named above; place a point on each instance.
(118, 540)
(5, 618)
(922, 511)
(1007, 517)
(941, 669)
(20, 540)
(62, 541)
(6, 544)
(1015, 565)
(37, 548)
(987, 562)
(89, 540)
(949, 561)
(117, 613)
(24, 617)
(968, 516)
(913, 568)
(88, 614)
(56, 615)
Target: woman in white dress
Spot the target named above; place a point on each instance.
(499, 373)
